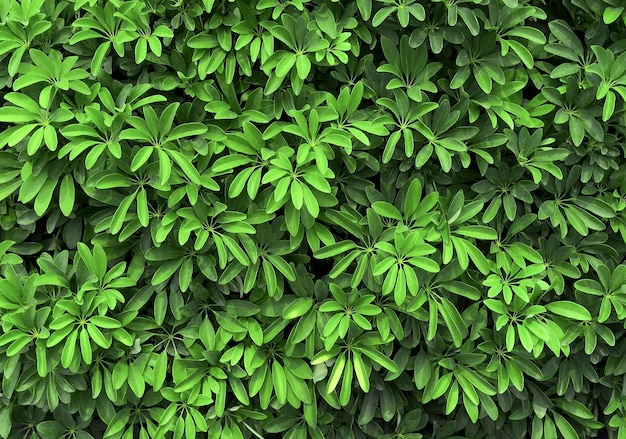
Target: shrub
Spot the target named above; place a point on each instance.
(312, 219)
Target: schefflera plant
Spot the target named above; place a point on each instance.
(359, 219)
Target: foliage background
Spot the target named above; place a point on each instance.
(324, 219)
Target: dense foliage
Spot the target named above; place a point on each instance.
(312, 219)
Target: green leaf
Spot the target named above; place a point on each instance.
(136, 381)
(280, 381)
(454, 321)
(442, 385)
(387, 210)
(285, 64)
(469, 18)
(564, 70)
(105, 322)
(611, 14)
(185, 274)
(44, 197)
(343, 264)
(523, 53)
(98, 337)
(310, 202)
(186, 166)
(297, 308)
(365, 8)
(142, 208)
(186, 130)
(478, 232)
(334, 249)
(379, 359)
(50, 428)
(528, 33)
(570, 310)
(565, 427)
(166, 271)
(577, 130)
(120, 214)
(69, 348)
(381, 16)
(140, 159)
(595, 206)
(87, 257)
(230, 162)
(303, 66)
(564, 33)
(336, 373)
